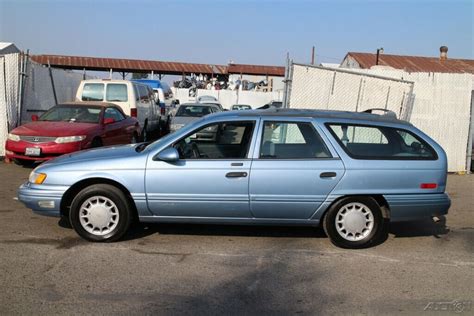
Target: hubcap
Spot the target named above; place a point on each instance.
(99, 215)
(354, 221)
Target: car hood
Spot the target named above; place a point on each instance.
(53, 129)
(185, 120)
(102, 153)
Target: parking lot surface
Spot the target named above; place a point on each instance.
(46, 268)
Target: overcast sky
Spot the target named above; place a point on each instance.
(254, 32)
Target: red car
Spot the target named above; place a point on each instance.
(69, 127)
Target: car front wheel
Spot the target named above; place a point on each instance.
(354, 222)
(100, 212)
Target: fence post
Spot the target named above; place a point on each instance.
(52, 84)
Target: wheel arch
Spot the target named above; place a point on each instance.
(69, 195)
(378, 198)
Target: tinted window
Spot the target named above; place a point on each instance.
(113, 113)
(194, 110)
(71, 113)
(93, 92)
(144, 93)
(229, 140)
(283, 140)
(378, 142)
(116, 92)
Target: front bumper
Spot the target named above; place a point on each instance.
(42, 199)
(50, 150)
(408, 207)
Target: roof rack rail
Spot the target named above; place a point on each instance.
(386, 112)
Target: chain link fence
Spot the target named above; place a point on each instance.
(437, 103)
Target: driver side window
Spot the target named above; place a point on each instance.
(225, 140)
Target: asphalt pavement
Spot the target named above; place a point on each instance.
(161, 269)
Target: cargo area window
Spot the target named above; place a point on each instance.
(93, 92)
(285, 140)
(116, 93)
(380, 142)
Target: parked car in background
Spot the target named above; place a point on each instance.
(206, 98)
(209, 99)
(239, 107)
(70, 127)
(164, 96)
(272, 104)
(135, 99)
(190, 112)
(351, 173)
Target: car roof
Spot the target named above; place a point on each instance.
(90, 103)
(329, 114)
(200, 104)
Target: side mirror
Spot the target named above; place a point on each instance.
(109, 120)
(34, 117)
(169, 154)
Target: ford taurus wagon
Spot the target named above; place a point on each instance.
(351, 173)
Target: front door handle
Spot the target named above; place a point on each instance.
(327, 175)
(236, 175)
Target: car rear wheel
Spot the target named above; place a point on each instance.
(100, 212)
(354, 222)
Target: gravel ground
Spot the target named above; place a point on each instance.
(202, 269)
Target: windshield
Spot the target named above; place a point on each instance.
(193, 111)
(72, 113)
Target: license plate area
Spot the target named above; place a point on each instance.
(32, 151)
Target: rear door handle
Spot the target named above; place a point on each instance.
(327, 175)
(236, 175)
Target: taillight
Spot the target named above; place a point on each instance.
(133, 112)
(163, 110)
(428, 186)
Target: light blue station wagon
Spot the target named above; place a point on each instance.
(349, 172)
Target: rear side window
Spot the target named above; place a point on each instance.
(287, 140)
(116, 92)
(379, 142)
(93, 92)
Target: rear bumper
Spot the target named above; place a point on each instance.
(407, 207)
(44, 199)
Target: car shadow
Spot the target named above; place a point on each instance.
(420, 228)
(141, 230)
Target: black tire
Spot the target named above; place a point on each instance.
(134, 139)
(373, 236)
(115, 195)
(24, 162)
(145, 132)
(96, 142)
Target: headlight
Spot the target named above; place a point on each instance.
(13, 137)
(175, 127)
(69, 139)
(37, 178)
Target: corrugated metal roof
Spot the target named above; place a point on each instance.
(414, 63)
(256, 70)
(159, 67)
(127, 65)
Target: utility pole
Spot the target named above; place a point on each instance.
(312, 56)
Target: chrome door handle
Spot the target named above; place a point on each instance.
(236, 175)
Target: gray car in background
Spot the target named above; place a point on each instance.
(190, 112)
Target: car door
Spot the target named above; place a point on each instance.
(114, 133)
(211, 178)
(293, 170)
